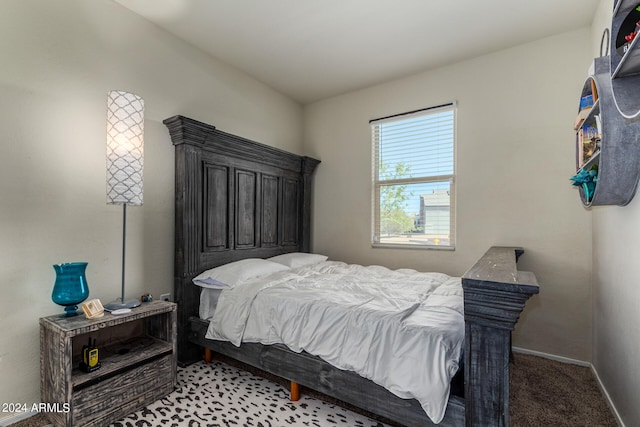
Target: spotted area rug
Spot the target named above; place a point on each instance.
(216, 394)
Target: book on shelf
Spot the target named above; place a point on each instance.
(580, 145)
(594, 91)
(586, 104)
(587, 101)
(588, 143)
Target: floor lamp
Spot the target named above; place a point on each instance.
(125, 158)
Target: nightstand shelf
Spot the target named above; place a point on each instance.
(137, 357)
(138, 351)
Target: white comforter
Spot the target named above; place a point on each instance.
(402, 329)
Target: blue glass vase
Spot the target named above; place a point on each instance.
(71, 287)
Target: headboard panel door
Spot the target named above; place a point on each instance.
(245, 209)
(216, 193)
(291, 212)
(235, 199)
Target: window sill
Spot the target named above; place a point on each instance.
(420, 247)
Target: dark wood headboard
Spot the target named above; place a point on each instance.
(234, 199)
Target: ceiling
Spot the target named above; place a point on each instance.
(314, 49)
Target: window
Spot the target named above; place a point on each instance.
(414, 179)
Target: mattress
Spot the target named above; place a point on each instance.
(402, 329)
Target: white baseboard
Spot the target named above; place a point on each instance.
(607, 397)
(579, 363)
(553, 357)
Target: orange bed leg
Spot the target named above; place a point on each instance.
(295, 391)
(208, 355)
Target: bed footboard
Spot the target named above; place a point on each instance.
(495, 293)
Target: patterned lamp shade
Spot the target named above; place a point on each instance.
(125, 148)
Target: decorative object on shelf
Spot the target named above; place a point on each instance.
(587, 180)
(90, 358)
(146, 298)
(628, 30)
(93, 309)
(125, 148)
(70, 288)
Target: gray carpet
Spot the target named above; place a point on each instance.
(543, 393)
(549, 393)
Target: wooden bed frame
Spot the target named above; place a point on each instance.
(236, 199)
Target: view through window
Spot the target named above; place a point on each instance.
(413, 179)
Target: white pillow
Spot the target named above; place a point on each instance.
(208, 302)
(298, 259)
(229, 275)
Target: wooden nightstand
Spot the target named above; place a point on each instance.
(138, 364)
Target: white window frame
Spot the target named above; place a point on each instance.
(377, 241)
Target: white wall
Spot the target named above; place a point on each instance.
(515, 156)
(616, 290)
(59, 60)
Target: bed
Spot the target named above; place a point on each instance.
(237, 199)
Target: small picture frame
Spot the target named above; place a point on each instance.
(93, 309)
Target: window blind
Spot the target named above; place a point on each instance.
(413, 178)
